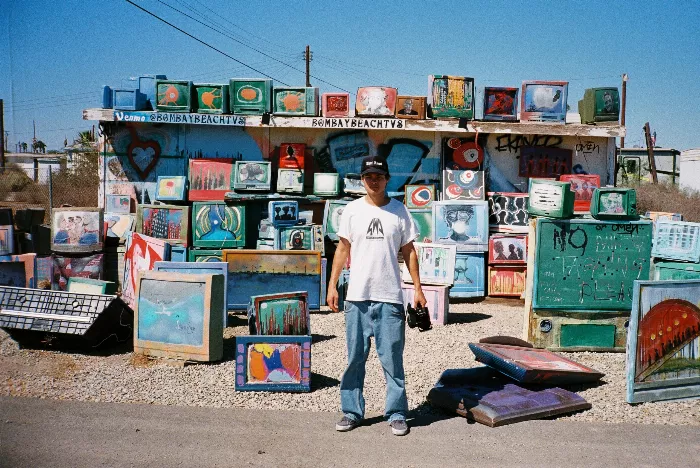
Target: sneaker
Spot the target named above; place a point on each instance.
(399, 427)
(346, 424)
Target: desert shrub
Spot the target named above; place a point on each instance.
(669, 198)
(13, 179)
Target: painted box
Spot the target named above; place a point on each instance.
(462, 223)
(282, 212)
(411, 107)
(436, 264)
(295, 238)
(252, 176)
(419, 196)
(331, 217)
(438, 301)
(210, 179)
(77, 284)
(462, 154)
(544, 101)
(470, 275)
(500, 104)
(119, 204)
(142, 252)
(544, 161)
(677, 240)
(290, 181)
(169, 222)
(583, 186)
(327, 184)
(218, 225)
(578, 330)
(174, 96)
(205, 255)
(250, 96)
(147, 85)
(507, 249)
(77, 230)
(614, 203)
(260, 272)
(550, 198)
(117, 225)
(450, 96)
(463, 185)
(293, 101)
(279, 314)
(66, 267)
(179, 316)
(171, 188)
(508, 211)
(663, 343)
(335, 104)
(575, 267)
(676, 271)
(292, 155)
(424, 223)
(199, 268)
(211, 98)
(375, 101)
(507, 280)
(18, 270)
(273, 363)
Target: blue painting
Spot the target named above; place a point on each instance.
(464, 223)
(469, 275)
(13, 274)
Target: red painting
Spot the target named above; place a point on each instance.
(142, 252)
(210, 179)
(292, 155)
(582, 185)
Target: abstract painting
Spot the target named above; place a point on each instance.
(117, 204)
(280, 314)
(461, 223)
(77, 230)
(168, 222)
(65, 267)
(419, 196)
(210, 179)
(436, 264)
(218, 225)
(462, 154)
(171, 188)
(508, 211)
(506, 281)
(142, 252)
(458, 184)
(273, 363)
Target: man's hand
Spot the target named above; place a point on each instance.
(419, 298)
(332, 299)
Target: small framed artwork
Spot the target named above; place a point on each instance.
(171, 188)
(331, 219)
(210, 179)
(280, 314)
(420, 196)
(169, 222)
(273, 363)
(282, 212)
(500, 104)
(290, 180)
(436, 264)
(295, 238)
(335, 104)
(411, 107)
(462, 154)
(77, 230)
(507, 280)
(507, 249)
(376, 101)
(470, 275)
(424, 223)
(252, 176)
(218, 225)
(91, 286)
(204, 255)
(117, 225)
(461, 223)
(66, 267)
(508, 211)
(18, 270)
(292, 156)
(458, 184)
(117, 203)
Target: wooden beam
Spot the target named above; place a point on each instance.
(650, 154)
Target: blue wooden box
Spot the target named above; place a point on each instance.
(273, 363)
(677, 240)
(128, 99)
(470, 274)
(107, 97)
(178, 253)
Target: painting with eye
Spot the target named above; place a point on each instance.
(462, 223)
(218, 225)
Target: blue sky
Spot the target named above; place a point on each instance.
(56, 55)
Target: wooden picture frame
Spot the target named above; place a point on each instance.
(505, 249)
(77, 230)
(280, 314)
(254, 367)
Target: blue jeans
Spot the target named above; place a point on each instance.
(386, 322)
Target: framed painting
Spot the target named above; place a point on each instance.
(295, 238)
(460, 184)
(411, 107)
(677, 240)
(168, 222)
(171, 188)
(66, 267)
(77, 230)
(424, 223)
(273, 363)
(18, 270)
(218, 225)
(142, 252)
(583, 186)
(663, 341)
(91, 286)
(507, 280)
(375, 101)
(179, 316)
(544, 161)
(462, 154)
(249, 175)
(507, 249)
(419, 196)
(117, 225)
(204, 255)
(508, 211)
(117, 204)
(283, 212)
(436, 264)
(461, 223)
(470, 275)
(280, 314)
(292, 156)
(210, 179)
(331, 217)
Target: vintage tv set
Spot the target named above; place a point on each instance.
(18, 270)
(500, 104)
(375, 101)
(128, 99)
(77, 229)
(218, 225)
(211, 98)
(335, 104)
(331, 217)
(210, 179)
(583, 186)
(254, 176)
(119, 204)
(352, 185)
(419, 196)
(326, 184)
(677, 240)
(205, 255)
(168, 222)
(282, 212)
(599, 105)
(295, 238)
(91, 286)
(436, 264)
(506, 280)
(273, 363)
(464, 223)
(179, 316)
(174, 95)
(290, 180)
(507, 249)
(614, 203)
(411, 107)
(450, 96)
(544, 101)
(147, 85)
(293, 101)
(171, 188)
(250, 96)
(550, 198)
(280, 314)
(292, 155)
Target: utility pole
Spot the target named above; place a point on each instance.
(624, 106)
(308, 57)
(2, 135)
(650, 153)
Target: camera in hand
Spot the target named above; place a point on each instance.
(418, 317)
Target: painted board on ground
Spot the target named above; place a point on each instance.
(168, 222)
(142, 252)
(18, 270)
(438, 301)
(470, 275)
(77, 230)
(436, 264)
(273, 363)
(66, 267)
(218, 225)
(461, 223)
(279, 314)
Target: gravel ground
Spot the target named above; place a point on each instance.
(116, 375)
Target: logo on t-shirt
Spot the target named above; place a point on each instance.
(375, 229)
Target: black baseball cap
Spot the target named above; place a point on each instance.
(376, 165)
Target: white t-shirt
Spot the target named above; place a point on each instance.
(376, 233)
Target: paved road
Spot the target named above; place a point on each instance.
(43, 433)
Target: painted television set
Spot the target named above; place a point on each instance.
(77, 229)
(211, 98)
(171, 188)
(507, 249)
(450, 97)
(282, 212)
(179, 316)
(290, 180)
(147, 85)
(326, 184)
(411, 107)
(335, 104)
(550, 198)
(128, 99)
(614, 203)
(507, 280)
(508, 211)
(210, 179)
(120, 204)
(375, 101)
(218, 225)
(205, 255)
(70, 266)
(295, 238)
(292, 155)
(544, 101)
(174, 96)
(280, 314)
(250, 96)
(168, 222)
(248, 175)
(436, 264)
(331, 217)
(295, 101)
(583, 186)
(273, 363)
(500, 104)
(599, 105)
(462, 154)
(464, 223)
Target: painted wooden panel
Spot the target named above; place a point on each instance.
(252, 176)
(290, 180)
(211, 98)
(117, 204)
(461, 223)
(438, 301)
(327, 184)
(90, 286)
(663, 344)
(470, 275)
(420, 196)
(65, 267)
(205, 255)
(451, 96)
(44, 272)
(168, 222)
(279, 314)
(7, 240)
(589, 264)
(331, 217)
(218, 225)
(500, 104)
(570, 330)
(335, 104)
(174, 96)
(436, 264)
(583, 186)
(142, 252)
(292, 156)
(210, 179)
(171, 188)
(506, 280)
(463, 185)
(282, 212)
(18, 270)
(77, 230)
(508, 211)
(411, 107)
(507, 249)
(677, 240)
(273, 363)
(544, 161)
(462, 154)
(179, 316)
(118, 225)
(424, 223)
(676, 271)
(375, 101)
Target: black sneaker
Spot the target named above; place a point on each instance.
(346, 424)
(399, 427)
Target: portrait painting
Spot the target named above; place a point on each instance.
(77, 230)
(462, 223)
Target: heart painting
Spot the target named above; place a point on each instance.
(143, 155)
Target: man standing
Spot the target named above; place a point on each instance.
(372, 230)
